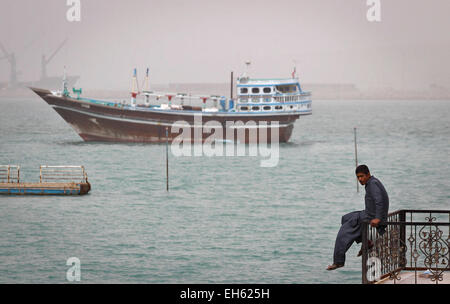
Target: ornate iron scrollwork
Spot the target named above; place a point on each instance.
(435, 250)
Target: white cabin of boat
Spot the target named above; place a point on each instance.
(272, 95)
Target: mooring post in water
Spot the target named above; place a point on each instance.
(356, 159)
(167, 158)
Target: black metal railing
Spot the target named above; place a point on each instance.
(414, 240)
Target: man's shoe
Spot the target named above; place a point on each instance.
(370, 247)
(334, 266)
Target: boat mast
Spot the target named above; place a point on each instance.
(294, 71)
(231, 86)
(231, 93)
(247, 64)
(65, 90)
(134, 88)
(146, 87)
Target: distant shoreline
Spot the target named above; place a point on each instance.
(319, 91)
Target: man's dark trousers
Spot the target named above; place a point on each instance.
(349, 232)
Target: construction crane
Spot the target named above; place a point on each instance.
(11, 57)
(45, 61)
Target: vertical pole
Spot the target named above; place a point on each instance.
(364, 239)
(167, 159)
(356, 159)
(402, 241)
(65, 90)
(231, 86)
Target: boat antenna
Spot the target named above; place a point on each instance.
(247, 64)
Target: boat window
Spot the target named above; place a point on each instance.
(267, 99)
(255, 99)
(267, 108)
(255, 108)
(255, 90)
(244, 108)
(244, 90)
(278, 107)
(267, 90)
(243, 100)
(287, 88)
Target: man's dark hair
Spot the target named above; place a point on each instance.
(362, 169)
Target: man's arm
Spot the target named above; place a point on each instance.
(380, 207)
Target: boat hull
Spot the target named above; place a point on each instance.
(114, 123)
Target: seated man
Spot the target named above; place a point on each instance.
(377, 205)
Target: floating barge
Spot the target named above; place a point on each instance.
(53, 180)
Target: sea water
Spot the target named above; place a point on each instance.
(224, 219)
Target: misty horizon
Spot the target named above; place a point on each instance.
(203, 41)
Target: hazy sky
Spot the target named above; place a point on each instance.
(202, 41)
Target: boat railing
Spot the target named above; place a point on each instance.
(292, 98)
(9, 174)
(62, 174)
(268, 99)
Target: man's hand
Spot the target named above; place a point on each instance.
(375, 222)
